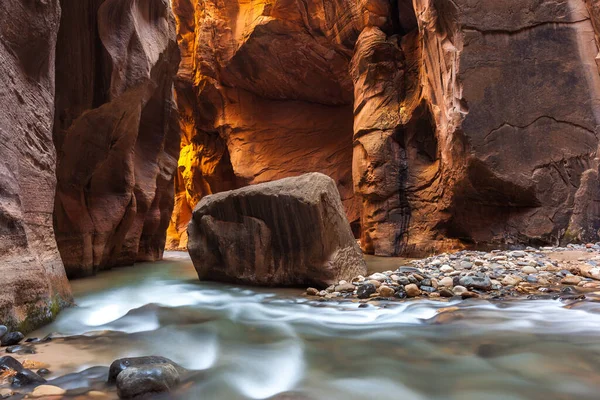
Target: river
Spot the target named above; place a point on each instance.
(260, 343)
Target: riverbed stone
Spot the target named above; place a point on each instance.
(365, 290)
(476, 282)
(312, 291)
(3, 330)
(27, 377)
(459, 290)
(289, 232)
(345, 288)
(511, 280)
(46, 391)
(122, 364)
(146, 379)
(11, 339)
(386, 291)
(571, 280)
(10, 363)
(529, 270)
(412, 290)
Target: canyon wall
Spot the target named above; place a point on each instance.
(33, 282)
(445, 123)
(116, 132)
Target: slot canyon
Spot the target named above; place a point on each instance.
(445, 125)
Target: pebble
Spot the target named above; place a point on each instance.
(459, 290)
(345, 288)
(312, 291)
(46, 390)
(571, 280)
(386, 291)
(529, 270)
(511, 280)
(446, 269)
(365, 290)
(378, 276)
(412, 290)
(476, 282)
(5, 393)
(446, 293)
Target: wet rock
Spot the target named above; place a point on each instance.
(412, 290)
(444, 292)
(46, 391)
(145, 379)
(571, 280)
(312, 292)
(446, 282)
(459, 290)
(297, 227)
(26, 377)
(12, 338)
(20, 349)
(511, 280)
(6, 393)
(400, 294)
(427, 289)
(43, 372)
(345, 288)
(476, 282)
(365, 290)
(122, 364)
(532, 279)
(386, 291)
(469, 295)
(378, 277)
(9, 363)
(3, 330)
(403, 280)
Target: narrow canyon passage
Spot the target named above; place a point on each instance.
(292, 145)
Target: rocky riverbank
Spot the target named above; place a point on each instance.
(554, 272)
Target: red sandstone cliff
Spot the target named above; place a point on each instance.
(444, 123)
(33, 285)
(116, 132)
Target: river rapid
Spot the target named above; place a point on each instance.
(253, 343)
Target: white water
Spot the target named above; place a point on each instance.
(255, 344)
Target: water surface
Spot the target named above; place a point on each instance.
(260, 343)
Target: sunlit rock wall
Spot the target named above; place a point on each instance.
(33, 284)
(264, 92)
(445, 123)
(116, 132)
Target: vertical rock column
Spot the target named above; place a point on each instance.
(33, 284)
(116, 132)
(379, 163)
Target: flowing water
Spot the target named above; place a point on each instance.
(257, 343)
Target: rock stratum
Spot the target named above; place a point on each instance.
(289, 232)
(445, 124)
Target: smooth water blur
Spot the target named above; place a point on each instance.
(257, 343)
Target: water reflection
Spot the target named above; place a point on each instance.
(256, 344)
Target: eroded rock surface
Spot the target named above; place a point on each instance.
(265, 93)
(284, 233)
(116, 132)
(444, 123)
(33, 285)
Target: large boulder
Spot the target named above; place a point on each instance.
(288, 232)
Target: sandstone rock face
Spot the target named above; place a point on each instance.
(518, 133)
(116, 132)
(33, 282)
(444, 123)
(264, 93)
(289, 232)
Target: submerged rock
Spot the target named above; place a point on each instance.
(11, 339)
(288, 232)
(9, 363)
(27, 377)
(142, 375)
